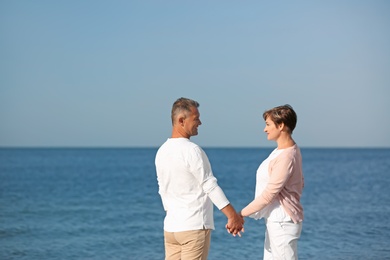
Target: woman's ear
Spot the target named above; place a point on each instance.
(281, 126)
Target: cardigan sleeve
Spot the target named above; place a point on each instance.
(280, 170)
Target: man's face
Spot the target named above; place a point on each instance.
(191, 122)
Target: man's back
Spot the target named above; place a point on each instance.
(182, 167)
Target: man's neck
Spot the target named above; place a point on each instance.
(178, 134)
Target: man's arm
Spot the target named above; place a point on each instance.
(215, 193)
(235, 221)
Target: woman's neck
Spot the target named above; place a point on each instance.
(286, 142)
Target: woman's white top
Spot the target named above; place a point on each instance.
(274, 211)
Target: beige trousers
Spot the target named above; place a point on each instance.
(187, 245)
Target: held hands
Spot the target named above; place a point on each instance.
(235, 225)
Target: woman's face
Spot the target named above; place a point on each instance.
(272, 130)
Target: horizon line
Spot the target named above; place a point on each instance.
(205, 147)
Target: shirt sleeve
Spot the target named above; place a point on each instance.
(280, 171)
(215, 193)
(203, 173)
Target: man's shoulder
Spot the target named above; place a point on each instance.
(179, 144)
(190, 147)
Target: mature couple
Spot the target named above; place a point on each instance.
(189, 189)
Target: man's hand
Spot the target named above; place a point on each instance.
(235, 224)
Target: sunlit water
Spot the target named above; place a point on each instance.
(103, 204)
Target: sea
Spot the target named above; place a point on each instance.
(103, 203)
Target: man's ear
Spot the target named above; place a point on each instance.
(181, 120)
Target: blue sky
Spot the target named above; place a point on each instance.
(105, 73)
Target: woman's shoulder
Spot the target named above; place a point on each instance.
(290, 152)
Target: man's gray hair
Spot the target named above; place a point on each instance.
(182, 104)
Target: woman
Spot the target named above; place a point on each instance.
(279, 184)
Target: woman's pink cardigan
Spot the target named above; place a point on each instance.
(285, 184)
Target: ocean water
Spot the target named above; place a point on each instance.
(103, 204)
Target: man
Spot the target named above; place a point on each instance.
(188, 189)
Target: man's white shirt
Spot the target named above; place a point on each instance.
(187, 186)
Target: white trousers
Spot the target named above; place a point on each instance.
(281, 240)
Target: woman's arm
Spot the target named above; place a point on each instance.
(280, 170)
